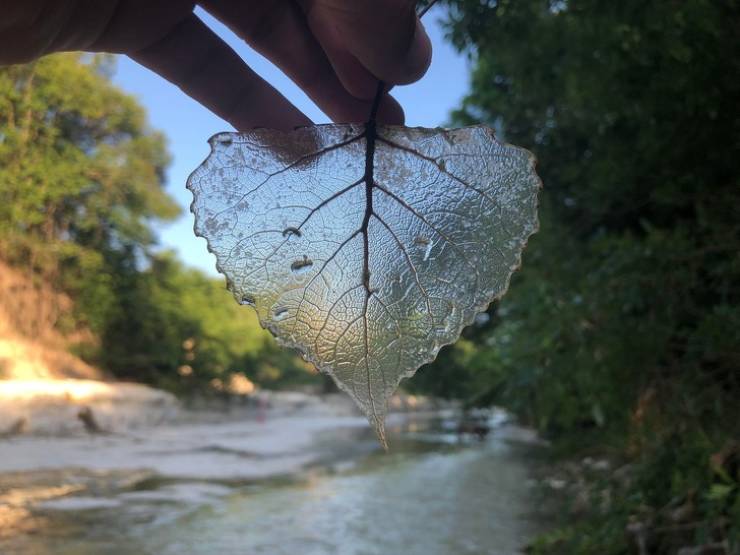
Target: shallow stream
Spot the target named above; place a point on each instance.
(435, 493)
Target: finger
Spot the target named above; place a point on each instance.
(192, 57)
(354, 76)
(383, 36)
(278, 30)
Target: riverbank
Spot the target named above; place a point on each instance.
(136, 427)
(230, 449)
(598, 499)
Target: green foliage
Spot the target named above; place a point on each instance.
(621, 331)
(178, 328)
(78, 159)
(81, 177)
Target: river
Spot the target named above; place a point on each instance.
(434, 493)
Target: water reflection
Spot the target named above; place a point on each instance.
(437, 492)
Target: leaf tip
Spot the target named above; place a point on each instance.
(379, 426)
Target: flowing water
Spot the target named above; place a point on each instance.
(435, 493)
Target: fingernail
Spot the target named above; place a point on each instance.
(419, 55)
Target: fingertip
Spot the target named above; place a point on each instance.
(356, 79)
(390, 111)
(418, 57)
(408, 65)
(373, 39)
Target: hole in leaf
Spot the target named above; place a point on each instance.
(280, 314)
(288, 231)
(301, 266)
(426, 243)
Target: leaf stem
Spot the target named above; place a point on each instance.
(376, 102)
(371, 137)
(426, 8)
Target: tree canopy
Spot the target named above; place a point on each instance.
(82, 181)
(622, 329)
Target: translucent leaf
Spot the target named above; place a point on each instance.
(366, 249)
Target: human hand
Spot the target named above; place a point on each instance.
(335, 50)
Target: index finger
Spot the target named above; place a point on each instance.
(199, 62)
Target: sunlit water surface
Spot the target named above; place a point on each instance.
(434, 493)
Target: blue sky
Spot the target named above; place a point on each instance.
(188, 125)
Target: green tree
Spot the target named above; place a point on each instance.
(623, 327)
(179, 329)
(81, 176)
(82, 183)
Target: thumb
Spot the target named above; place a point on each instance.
(367, 40)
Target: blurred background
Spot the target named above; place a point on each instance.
(594, 410)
